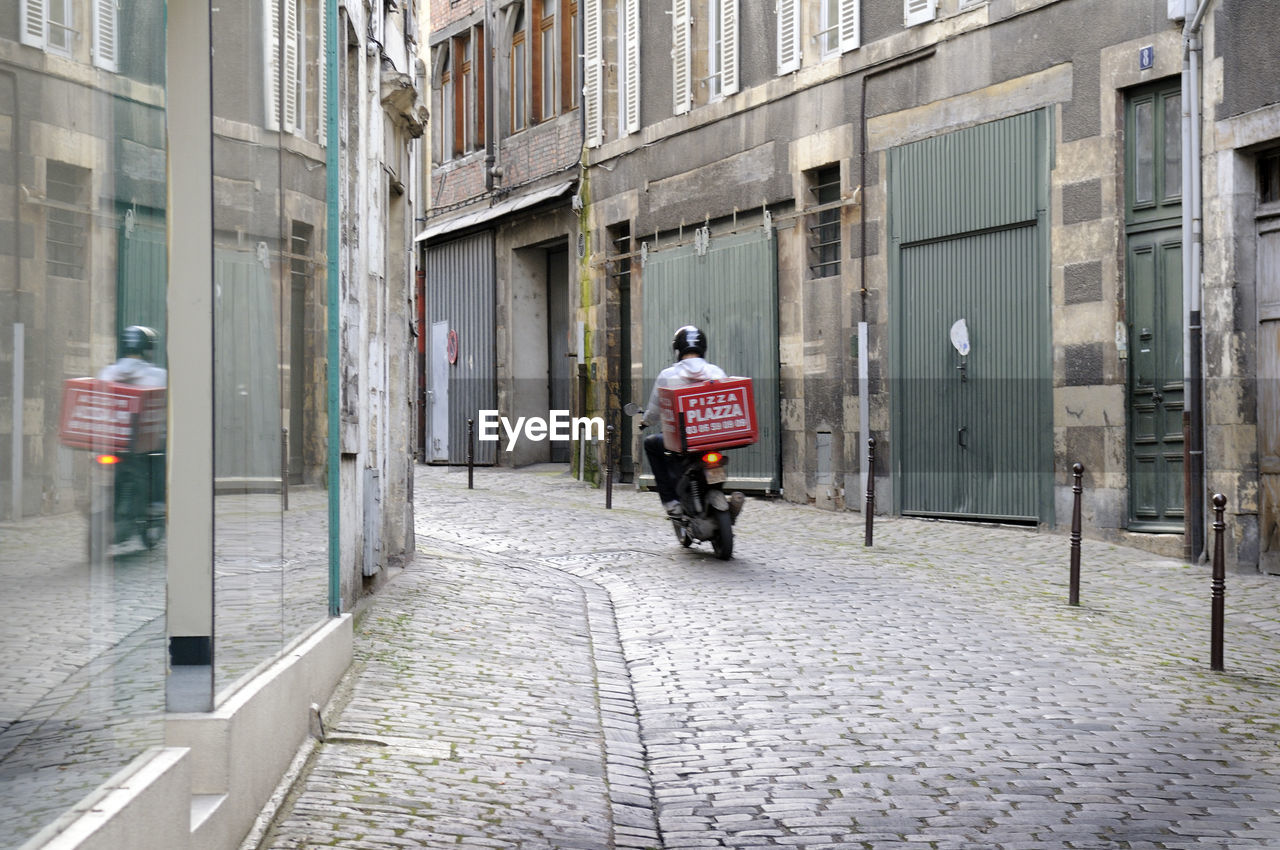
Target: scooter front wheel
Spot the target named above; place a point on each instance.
(722, 542)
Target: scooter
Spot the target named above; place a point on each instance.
(708, 513)
(123, 503)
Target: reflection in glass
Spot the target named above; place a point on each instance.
(270, 321)
(1144, 146)
(82, 199)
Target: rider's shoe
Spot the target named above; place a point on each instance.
(674, 508)
(736, 501)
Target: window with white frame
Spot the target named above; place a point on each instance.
(717, 75)
(50, 25)
(294, 41)
(722, 48)
(836, 28)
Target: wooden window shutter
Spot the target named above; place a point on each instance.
(593, 62)
(728, 47)
(681, 57)
(788, 36)
(105, 34)
(290, 100)
(33, 23)
(322, 75)
(632, 25)
(271, 62)
(920, 11)
(850, 26)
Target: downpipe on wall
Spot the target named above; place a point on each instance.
(1192, 276)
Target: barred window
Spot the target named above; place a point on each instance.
(67, 222)
(823, 223)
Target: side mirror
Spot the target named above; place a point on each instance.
(631, 408)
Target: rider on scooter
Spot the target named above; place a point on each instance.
(690, 344)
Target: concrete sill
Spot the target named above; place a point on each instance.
(203, 806)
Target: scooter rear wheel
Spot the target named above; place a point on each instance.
(722, 542)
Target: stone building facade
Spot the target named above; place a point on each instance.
(980, 225)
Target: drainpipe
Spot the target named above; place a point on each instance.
(1192, 282)
(332, 246)
(490, 108)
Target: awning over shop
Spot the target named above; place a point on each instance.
(497, 210)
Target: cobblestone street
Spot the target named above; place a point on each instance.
(547, 673)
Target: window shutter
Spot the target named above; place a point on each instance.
(850, 25)
(322, 75)
(104, 34)
(681, 58)
(632, 24)
(290, 118)
(33, 23)
(728, 47)
(920, 11)
(593, 86)
(271, 62)
(788, 36)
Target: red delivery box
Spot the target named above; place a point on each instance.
(108, 417)
(717, 415)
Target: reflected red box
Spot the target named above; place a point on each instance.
(717, 415)
(104, 416)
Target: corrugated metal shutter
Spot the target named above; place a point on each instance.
(460, 291)
(972, 435)
(732, 293)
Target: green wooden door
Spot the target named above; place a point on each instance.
(1153, 270)
(971, 432)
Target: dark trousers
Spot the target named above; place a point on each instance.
(660, 464)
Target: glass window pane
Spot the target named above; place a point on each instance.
(1144, 150)
(1173, 146)
(82, 543)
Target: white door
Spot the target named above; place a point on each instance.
(438, 395)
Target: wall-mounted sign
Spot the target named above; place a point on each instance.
(1146, 57)
(960, 337)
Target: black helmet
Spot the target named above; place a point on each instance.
(137, 340)
(690, 339)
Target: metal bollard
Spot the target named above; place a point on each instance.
(471, 454)
(608, 467)
(870, 508)
(1077, 472)
(1218, 613)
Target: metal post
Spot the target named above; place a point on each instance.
(1077, 487)
(1219, 584)
(870, 508)
(608, 467)
(284, 468)
(471, 454)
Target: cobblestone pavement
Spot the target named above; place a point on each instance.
(83, 652)
(551, 674)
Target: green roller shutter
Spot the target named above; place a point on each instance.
(730, 290)
(972, 433)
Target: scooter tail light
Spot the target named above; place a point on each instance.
(713, 458)
(107, 460)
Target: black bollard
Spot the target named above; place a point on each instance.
(1218, 613)
(608, 467)
(1077, 472)
(870, 508)
(471, 454)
